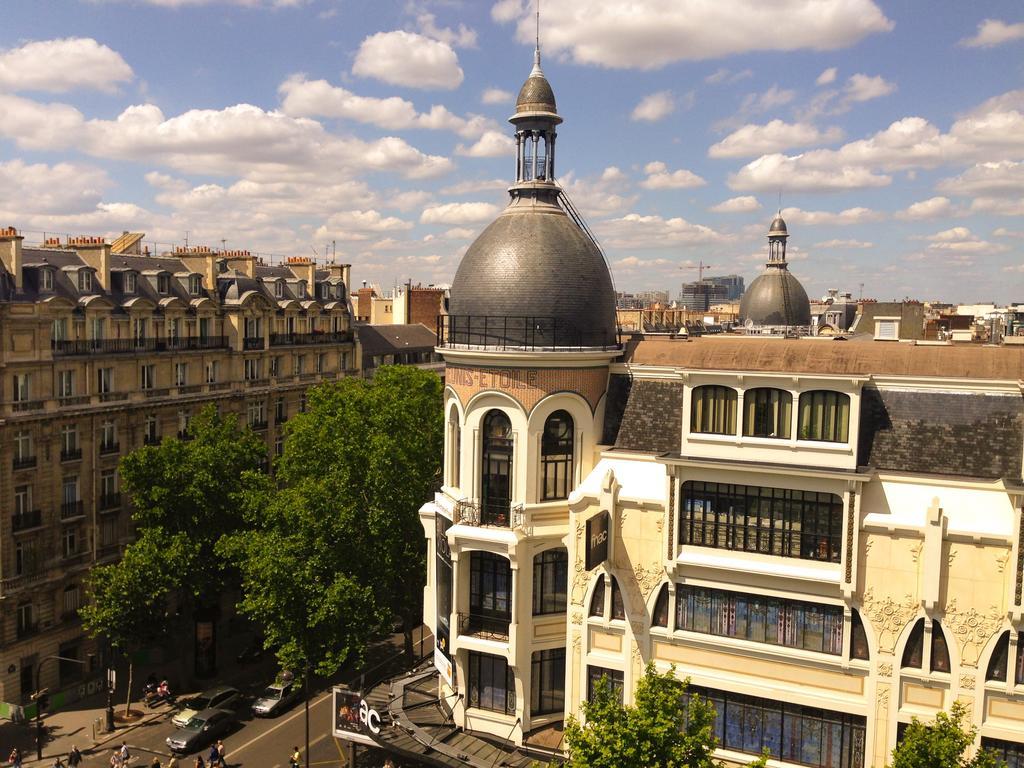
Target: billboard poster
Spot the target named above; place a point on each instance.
(353, 719)
(443, 595)
(598, 532)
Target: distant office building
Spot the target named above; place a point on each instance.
(702, 294)
(733, 284)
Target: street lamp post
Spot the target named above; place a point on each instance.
(41, 695)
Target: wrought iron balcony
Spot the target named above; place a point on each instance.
(110, 501)
(23, 521)
(527, 333)
(20, 406)
(69, 510)
(71, 454)
(484, 626)
(252, 342)
(500, 514)
(69, 347)
(108, 448)
(316, 337)
(26, 462)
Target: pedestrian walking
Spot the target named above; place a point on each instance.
(173, 762)
(14, 758)
(57, 762)
(295, 761)
(221, 752)
(155, 763)
(74, 757)
(199, 762)
(212, 757)
(115, 759)
(125, 754)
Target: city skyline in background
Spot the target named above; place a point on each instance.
(891, 137)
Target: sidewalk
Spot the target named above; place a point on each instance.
(74, 725)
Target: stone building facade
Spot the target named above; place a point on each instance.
(105, 352)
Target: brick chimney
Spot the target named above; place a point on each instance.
(304, 268)
(201, 259)
(243, 261)
(96, 252)
(10, 255)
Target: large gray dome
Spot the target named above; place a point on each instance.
(533, 261)
(775, 298)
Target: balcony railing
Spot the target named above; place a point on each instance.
(110, 501)
(484, 626)
(252, 342)
(497, 513)
(72, 454)
(27, 462)
(108, 448)
(73, 399)
(23, 521)
(151, 440)
(110, 397)
(316, 337)
(27, 630)
(521, 333)
(20, 406)
(69, 510)
(66, 347)
(258, 426)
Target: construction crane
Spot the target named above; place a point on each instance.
(701, 266)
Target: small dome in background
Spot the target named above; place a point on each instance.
(778, 226)
(536, 94)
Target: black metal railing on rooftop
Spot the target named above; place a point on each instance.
(521, 333)
(65, 347)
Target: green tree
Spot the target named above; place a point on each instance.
(943, 742)
(186, 495)
(666, 728)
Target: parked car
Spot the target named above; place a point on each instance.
(222, 697)
(276, 698)
(201, 729)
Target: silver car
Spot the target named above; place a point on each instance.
(222, 697)
(199, 731)
(275, 699)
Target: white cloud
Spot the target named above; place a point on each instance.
(998, 206)
(654, 107)
(844, 244)
(652, 34)
(778, 172)
(775, 136)
(828, 76)
(932, 208)
(459, 213)
(724, 75)
(992, 32)
(318, 98)
(846, 217)
(659, 177)
(496, 96)
(38, 188)
(744, 204)
(770, 99)
(196, 3)
(864, 88)
(961, 240)
(409, 59)
(491, 144)
(1004, 232)
(359, 225)
(58, 66)
(463, 37)
(995, 179)
(638, 231)
(459, 233)
(601, 195)
(472, 186)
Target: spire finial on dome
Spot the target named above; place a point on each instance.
(536, 51)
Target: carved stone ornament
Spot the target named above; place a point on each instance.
(967, 682)
(883, 697)
(885, 669)
(972, 630)
(888, 617)
(577, 642)
(580, 577)
(647, 579)
(577, 617)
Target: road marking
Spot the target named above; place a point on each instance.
(284, 722)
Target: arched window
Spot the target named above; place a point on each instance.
(597, 599)
(618, 607)
(496, 495)
(824, 416)
(660, 616)
(913, 654)
(767, 413)
(713, 410)
(1000, 658)
(858, 639)
(454, 448)
(556, 456)
(550, 577)
(940, 651)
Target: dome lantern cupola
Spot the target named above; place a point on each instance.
(776, 299)
(535, 120)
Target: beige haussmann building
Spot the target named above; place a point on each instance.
(823, 536)
(106, 349)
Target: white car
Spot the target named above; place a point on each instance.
(275, 699)
(222, 697)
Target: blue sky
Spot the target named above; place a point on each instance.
(893, 131)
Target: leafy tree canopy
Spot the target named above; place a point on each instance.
(666, 728)
(334, 546)
(943, 742)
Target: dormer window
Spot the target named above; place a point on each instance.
(45, 279)
(325, 291)
(195, 285)
(163, 284)
(84, 280)
(129, 282)
(300, 289)
(279, 288)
